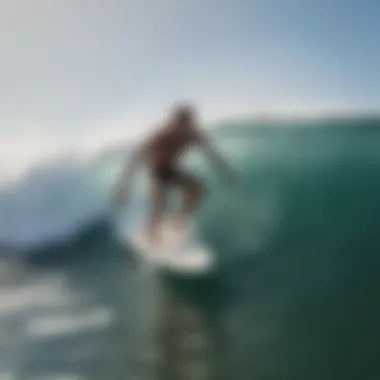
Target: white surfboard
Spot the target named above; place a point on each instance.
(177, 249)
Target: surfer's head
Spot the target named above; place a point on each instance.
(183, 115)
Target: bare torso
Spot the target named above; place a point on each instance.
(167, 146)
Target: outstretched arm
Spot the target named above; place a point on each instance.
(216, 158)
(131, 164)
(129, 168)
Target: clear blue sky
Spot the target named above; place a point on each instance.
(70, 66)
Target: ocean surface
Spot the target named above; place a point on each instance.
(297, 288)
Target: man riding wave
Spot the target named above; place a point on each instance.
(161, 153)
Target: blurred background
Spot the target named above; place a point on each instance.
(288, 89)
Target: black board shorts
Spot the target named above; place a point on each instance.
(167, 174)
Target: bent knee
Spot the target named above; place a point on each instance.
(194, 190)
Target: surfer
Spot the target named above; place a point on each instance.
(161, 153)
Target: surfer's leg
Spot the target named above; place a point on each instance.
(192, 192)
(157, 194)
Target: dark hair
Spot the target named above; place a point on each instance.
(183, 111)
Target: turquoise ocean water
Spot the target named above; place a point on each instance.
(297, 243)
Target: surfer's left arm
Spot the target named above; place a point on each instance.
(216, 158)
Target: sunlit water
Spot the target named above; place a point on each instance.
(295, 296)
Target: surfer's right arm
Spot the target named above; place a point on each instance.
(132, 163)
(130, 166)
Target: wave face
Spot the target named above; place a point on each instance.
(55, 201)
(313, 184)
(296, 296)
